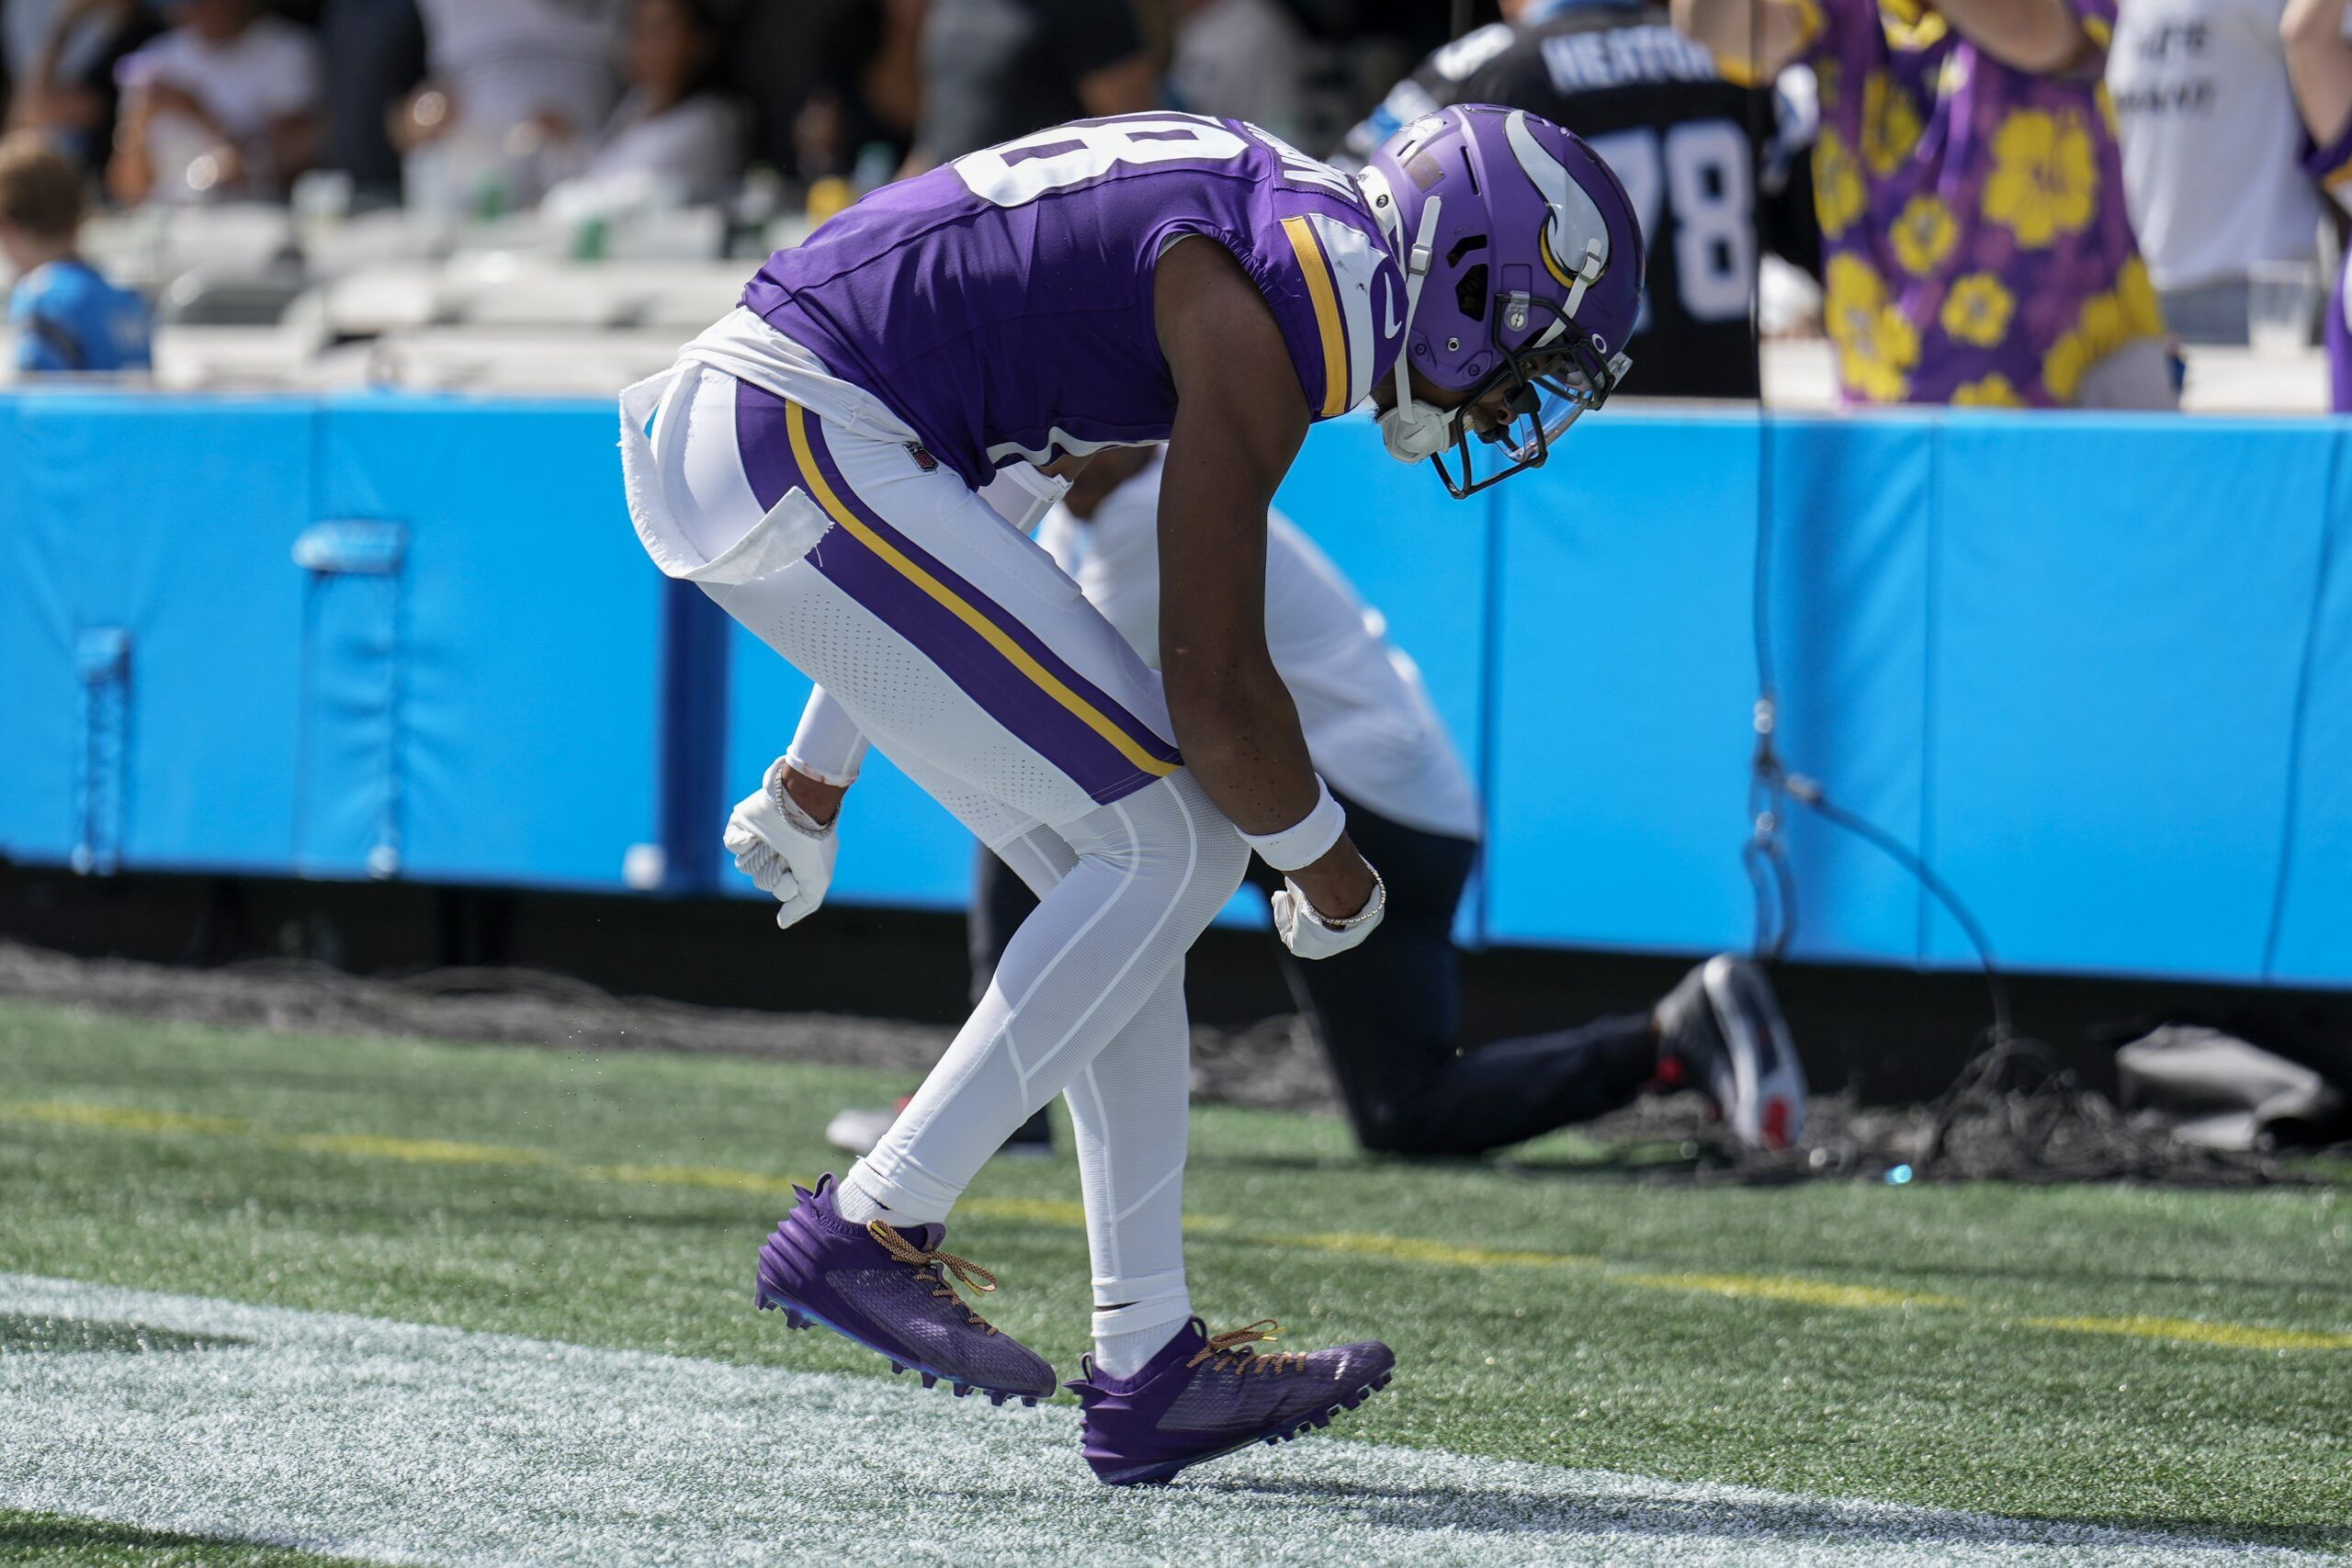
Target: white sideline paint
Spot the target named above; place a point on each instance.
(410, 1444)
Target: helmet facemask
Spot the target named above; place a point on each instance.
(1552, 379)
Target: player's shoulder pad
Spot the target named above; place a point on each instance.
(1337, 291)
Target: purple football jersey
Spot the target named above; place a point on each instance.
(1001, 304)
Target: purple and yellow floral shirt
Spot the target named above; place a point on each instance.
(1976, 245)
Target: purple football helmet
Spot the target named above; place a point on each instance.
(1523, 271)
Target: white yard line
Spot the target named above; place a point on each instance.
(404, 1443)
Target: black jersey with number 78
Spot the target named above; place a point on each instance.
(1692, 149)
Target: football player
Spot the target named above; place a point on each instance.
(1712, 166)
(817, 462)
(1387, 1011)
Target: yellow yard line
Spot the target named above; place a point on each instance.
(1780, 1288)
(2194, 1331)
(1060, 1213)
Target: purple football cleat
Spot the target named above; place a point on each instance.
(888, 1290)
(1201, 1397)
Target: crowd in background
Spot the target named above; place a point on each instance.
(1999, 201)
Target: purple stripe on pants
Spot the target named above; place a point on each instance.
(978, 667)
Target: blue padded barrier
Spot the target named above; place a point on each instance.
(2310, 940)
(529, 712)
(2121, 607)
(1620, 688)
(167, 521)
(2098, 668)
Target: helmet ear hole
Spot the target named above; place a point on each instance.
(1470, 293)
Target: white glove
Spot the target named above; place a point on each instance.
(1309, 935)
(783, 848)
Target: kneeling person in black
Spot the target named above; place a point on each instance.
(1387, 1012)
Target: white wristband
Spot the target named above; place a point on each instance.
(1305, 841)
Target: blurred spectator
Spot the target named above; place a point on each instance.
(375, 56)
(2210, 154)
(1660, 114)
(61, 56)
(1242, 60)
(993, 69)
(829, 79)
(225, 104)
(675, 137)
(64, 315)
(1970, 194)
(2319, 63)
(513, 89)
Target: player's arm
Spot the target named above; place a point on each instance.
(782, 834)
(1240, 416)
(1753, 41)
(2319, 65)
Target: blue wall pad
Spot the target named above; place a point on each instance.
(2097, 669)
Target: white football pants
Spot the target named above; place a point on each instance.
(966, 654)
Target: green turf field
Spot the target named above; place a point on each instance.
(2156, 1360)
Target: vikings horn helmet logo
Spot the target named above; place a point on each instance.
(1574, 223)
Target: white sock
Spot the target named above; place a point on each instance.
(1122, 1356)
(853, 1203)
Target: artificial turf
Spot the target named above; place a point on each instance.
(2025, 1351)
(96, 1543)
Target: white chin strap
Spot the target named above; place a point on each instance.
(1412, 432)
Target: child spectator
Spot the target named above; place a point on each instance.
(64, 315)
(1971, 197)
(225, 104)
(2319, 65)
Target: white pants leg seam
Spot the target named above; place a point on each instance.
(1191, 862)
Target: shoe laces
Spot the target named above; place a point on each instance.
(933, 1266)
(1229, 1351)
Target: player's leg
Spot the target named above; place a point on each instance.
(1150, 871)
(967, 656)
(1388, 1015)
(1000, 900)
(1129, 1113)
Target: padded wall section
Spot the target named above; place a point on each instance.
(529, 646)
(2310, 940)
(2098, 670)
(1852, 541)
(168, 520)
(1620, 688)
(2120, 612)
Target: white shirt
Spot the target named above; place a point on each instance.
(506, 61)
(1242, 60)
(2211, 144)
(268, 73)
(1371, 729)
(690, 153)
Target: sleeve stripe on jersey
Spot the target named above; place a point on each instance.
(1325, 299)
(1354, 264)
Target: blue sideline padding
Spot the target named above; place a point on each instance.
(2097, 670)
(167, 522)
(528, 722)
